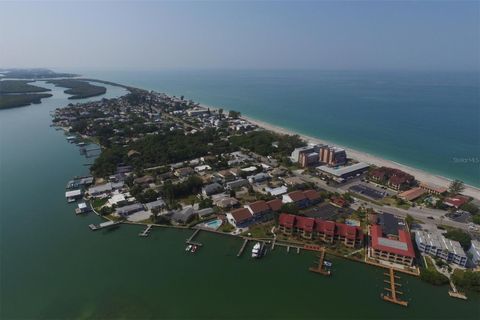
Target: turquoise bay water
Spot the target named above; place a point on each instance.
(428, 120)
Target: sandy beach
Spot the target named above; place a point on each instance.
(371, 159)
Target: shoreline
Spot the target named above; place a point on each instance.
(362, 156)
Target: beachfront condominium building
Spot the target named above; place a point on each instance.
(314, 154)
(391, 241)
(333, 156)
(435, 244)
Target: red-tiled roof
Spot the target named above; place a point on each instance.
(304, 223)
(297, 196)
(338, 201)
(456, 201)
(312, 194)
(241, 215)
(286, 220)
(275, 204)
(259, 206)
(412, 194)
(393, 246)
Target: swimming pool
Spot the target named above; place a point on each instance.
(214, 224)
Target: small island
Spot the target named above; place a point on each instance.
(20, 93)
(79, 89)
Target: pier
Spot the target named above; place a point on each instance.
(320, 268)
(244, 245)
(103, 225)
(391, 296)
(146, 232)
(454, 293)
(88, 152)
(190, 240)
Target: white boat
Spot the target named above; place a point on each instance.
(188, 248)
(256, 250)
(327, 263)
(194, 248)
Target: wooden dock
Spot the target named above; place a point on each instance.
(244, 245)
(319, 268)
(146, 232)
(454, 293)
(391, 296)
(190, 240)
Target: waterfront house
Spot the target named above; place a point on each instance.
(240, 218)
(184, 215)
(129, 209)
(157, 204)
(100, 190)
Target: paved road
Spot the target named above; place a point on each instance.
(418, 214)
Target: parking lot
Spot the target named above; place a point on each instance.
(368, 191)
(327, 211)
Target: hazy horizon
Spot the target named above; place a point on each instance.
(328, 36)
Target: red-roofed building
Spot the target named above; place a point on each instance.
(240, 218)
(456, 201)
(394, 178)
(275, 204)
(304, 227)
(258, 207)
(286, 223)
(313, 196)
(297, 197)
(393, 249)
(326, 231)
(338, 202)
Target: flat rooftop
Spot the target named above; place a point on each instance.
(341, 171)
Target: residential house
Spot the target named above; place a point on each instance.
(240, 218)
(212, 188)
(259, 210)
(297, 197)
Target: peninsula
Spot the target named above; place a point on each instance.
(167, 161)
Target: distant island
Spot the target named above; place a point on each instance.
(20, 93)
(79, 89)
(35, 73)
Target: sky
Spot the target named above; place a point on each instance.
(342, 35)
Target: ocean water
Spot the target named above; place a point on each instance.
(428, 120)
